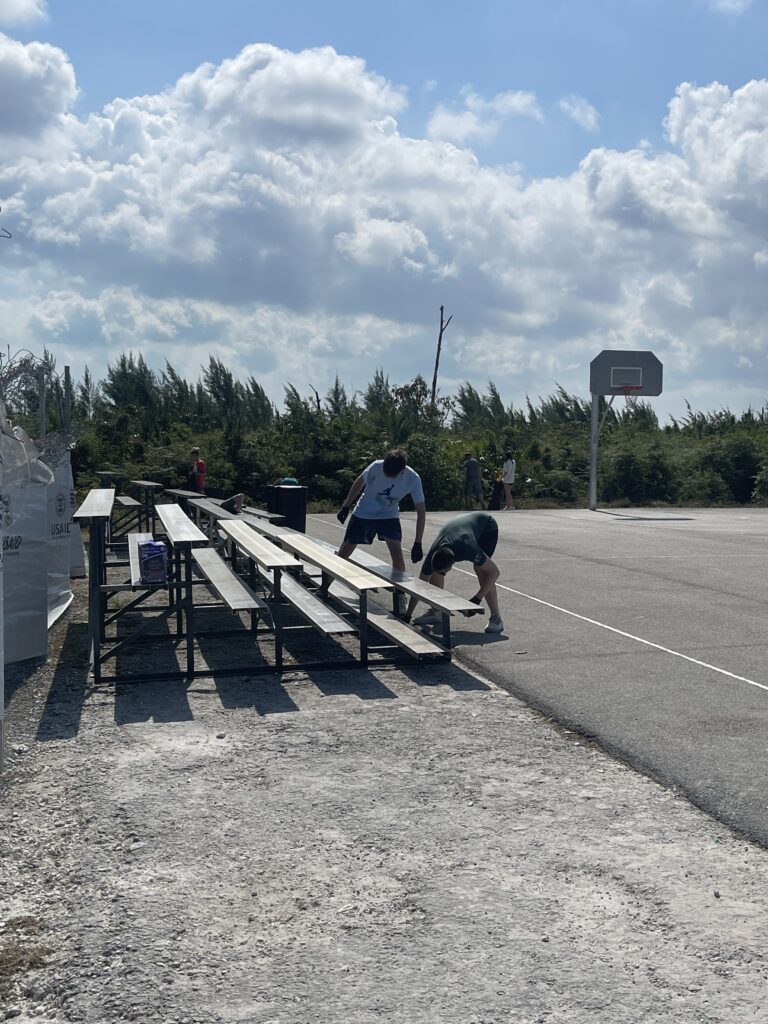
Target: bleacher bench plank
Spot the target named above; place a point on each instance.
(441, 599)
(265, 527)
(319, 614)
(411, 640)
(97, 505)
(229, 587)
(260, 550)
(126, 502)
(178, 526)
(340, 568)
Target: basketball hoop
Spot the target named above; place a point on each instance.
(631, 394)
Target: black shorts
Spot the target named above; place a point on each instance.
(489, 538)
(363, 531)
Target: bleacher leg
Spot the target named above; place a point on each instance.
(446, 619)
(363, 629)
(277, 618)
(189, 614)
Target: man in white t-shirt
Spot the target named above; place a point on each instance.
(377, 513)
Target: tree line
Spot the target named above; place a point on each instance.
(143, 423)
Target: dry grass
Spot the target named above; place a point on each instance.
(20, 949)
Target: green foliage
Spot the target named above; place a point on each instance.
(145, 423)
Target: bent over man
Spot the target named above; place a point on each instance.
(377, 513)
(471, 537)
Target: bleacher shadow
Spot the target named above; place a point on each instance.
(259, 690)
(351, 682)
(63, 708)
(148, 699)
(444, 673)
(468, 638)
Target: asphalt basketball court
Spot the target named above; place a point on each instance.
(645, 629)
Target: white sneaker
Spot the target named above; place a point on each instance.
(431, 618)
(495, 625)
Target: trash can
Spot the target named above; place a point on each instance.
(289, 501)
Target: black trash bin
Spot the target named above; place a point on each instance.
(289, 501)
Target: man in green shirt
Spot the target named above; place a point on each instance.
(471, 537)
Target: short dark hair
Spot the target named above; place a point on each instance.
(507, 455)
(395, 462)
(443, 559)
(194, 451)
(468, 455)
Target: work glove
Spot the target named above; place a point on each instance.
(416, 553)
(342, 514)
(478, 611)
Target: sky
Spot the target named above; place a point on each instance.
(298, 187)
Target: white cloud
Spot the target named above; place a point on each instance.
(580, 111)
(729, 6)
(479, 118)
(37, 86)
(268, 210)
(22, 12)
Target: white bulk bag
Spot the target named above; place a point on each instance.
(25, 546)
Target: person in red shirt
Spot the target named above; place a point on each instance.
(198, 471)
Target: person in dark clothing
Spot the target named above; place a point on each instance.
(471, 537)
(473, 481)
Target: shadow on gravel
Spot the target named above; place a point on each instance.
(359, 682)
(159, 700)
(19, 673)
(63, 708)
(265, 694)
(444, 674)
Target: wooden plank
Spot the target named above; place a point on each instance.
(179, 492)
(261, 513)
(319, 614)
(179, 527)
(437, 597)
(97, 505)
(125, 502)
(325, 555)
(411, 640)
(256, 547)
(229, 587)
(148, 484)
(339, 568)
(134, 539)
(266, 528)
(212, 508)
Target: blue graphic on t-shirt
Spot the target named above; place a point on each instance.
(385, 499)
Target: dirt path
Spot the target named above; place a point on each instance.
(351, 848)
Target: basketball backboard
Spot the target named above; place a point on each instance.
(616, 372)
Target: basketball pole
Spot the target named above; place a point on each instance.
(593, 453)
(597, 426)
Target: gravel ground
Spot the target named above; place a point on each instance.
(401, 846)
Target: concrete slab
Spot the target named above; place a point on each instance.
(646, 630)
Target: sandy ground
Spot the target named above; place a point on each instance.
(400, 846)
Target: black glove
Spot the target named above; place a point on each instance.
(342, 514)
(478, 611)
(416, 553)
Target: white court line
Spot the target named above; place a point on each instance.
(629, 636)
(612, 629)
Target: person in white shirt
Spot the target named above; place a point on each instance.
(508, 478)
(377, 513)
